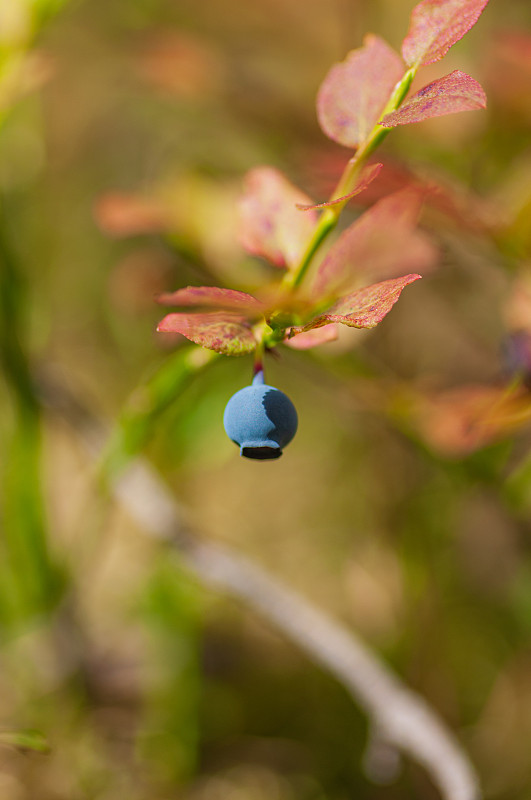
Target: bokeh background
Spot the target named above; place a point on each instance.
(403, 505)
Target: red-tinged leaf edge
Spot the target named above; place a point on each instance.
(365, 179)
(448, 95)
(364, 308)
(312, 338)
(229, 334)
(436, 25)
(212, 297)
(119, 214)
(463, 420)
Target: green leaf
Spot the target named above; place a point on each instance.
(148, 403)
(25, 740)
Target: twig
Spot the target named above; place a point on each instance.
(401, 718)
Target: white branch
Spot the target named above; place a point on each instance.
(401, 718)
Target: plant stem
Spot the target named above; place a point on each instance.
(330, 216)
(258, 365)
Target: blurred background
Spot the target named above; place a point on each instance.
(403, 505)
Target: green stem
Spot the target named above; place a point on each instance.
(258, 365)
(326, 225)
(330, 216)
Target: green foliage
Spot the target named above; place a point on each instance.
(169, 737)
(403, 506)
(30, 581)
(24, 740)
(137, 423)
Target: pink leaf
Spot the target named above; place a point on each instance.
(366, 177)
(312, 338)
(229, 334)
(436, 25)
(364, 308)
(354, 94)
(508, 69)
(455, 92)
(382, 242)
(212, 297)
(463, 420)
(119, 214)
(270, 225)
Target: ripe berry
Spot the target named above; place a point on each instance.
(260, 419)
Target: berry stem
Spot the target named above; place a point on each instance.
(258, 366)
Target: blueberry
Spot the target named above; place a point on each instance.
(260, 419)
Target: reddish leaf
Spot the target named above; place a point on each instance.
(212, 297)
(436, 25)
(229, 334)
(312, 338)
(364, 308)
(448, 197)
(180, 64)
(366, 177)
(270, 225)
(382, 242)
(462, 420)
(354, 94)
(127, 214)
(508, 69)
(455, 92)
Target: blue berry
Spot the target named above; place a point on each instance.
(260, 419)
